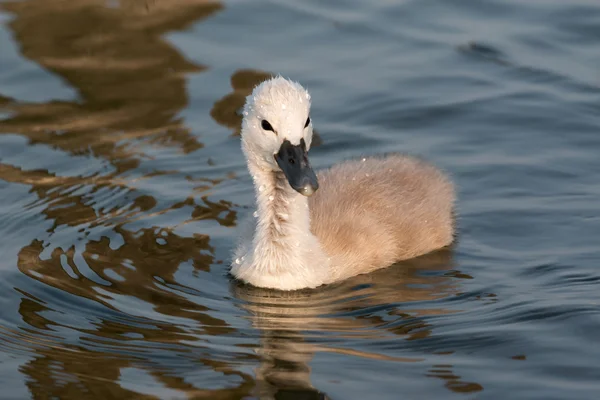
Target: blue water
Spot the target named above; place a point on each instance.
(122, 184)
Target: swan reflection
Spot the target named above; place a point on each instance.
(389, 304)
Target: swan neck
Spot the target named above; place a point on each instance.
(283, 214)
(283, 253)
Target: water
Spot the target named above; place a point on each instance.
(122, 185)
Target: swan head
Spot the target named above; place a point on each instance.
(277, 132)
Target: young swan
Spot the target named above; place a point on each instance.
(367, 214)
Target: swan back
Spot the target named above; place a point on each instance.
(372, 212)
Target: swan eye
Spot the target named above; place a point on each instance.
(307, 122)
(266, 125)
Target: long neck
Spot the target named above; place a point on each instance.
(283, 254)
(283, 224)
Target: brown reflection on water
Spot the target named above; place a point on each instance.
(131, 85)
(141, 269)
(129, 80)
(288, 320)
(453, 381)
(228, 110)
(65, 208)
(57, 373)
(68, 371)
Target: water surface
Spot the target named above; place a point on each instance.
(122, 185)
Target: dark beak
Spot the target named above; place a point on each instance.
(293, 161)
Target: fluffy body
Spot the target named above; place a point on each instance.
(367, 214)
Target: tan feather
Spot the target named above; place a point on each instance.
(372, 212)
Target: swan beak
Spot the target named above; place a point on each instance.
(293, 161)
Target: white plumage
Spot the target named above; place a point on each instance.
(367, 213)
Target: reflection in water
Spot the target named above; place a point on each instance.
(112, 308)
(138, 279)
(376, 308)
(131, 86)
(66, 208)
(113, 220)
(93, 369)
(143, 267)
(130, 81)
(227, 111)
(453, 382)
